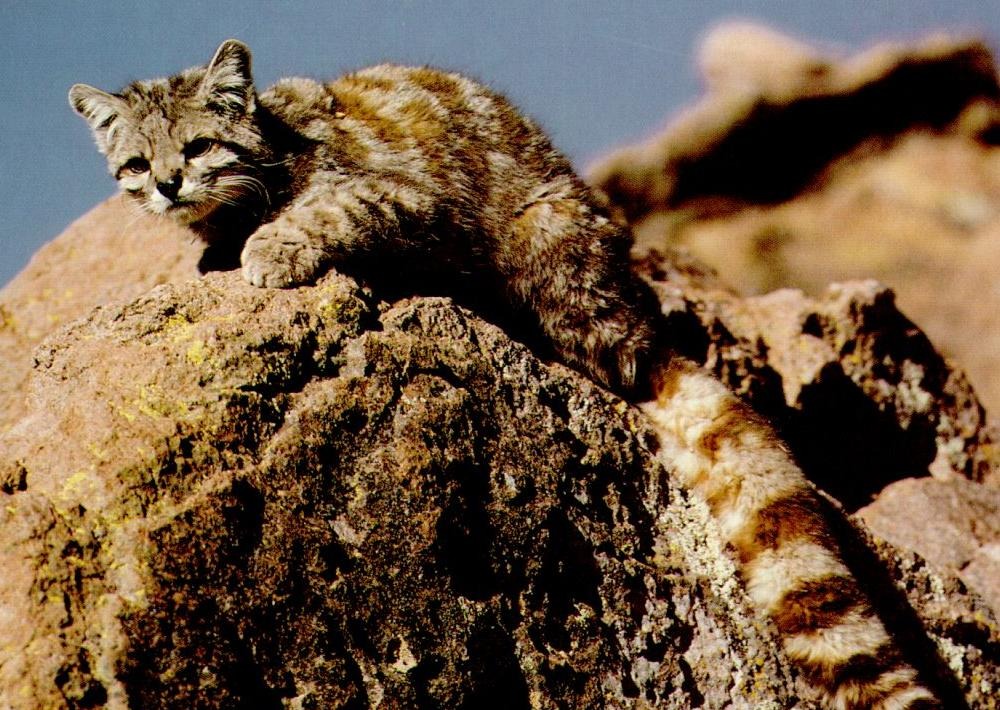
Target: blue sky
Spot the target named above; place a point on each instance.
(594, 73)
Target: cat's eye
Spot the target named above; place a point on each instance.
(198, 147)
(135, 166)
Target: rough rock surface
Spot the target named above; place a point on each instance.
(228, 496)
(215, 496)
(799, 168)
(856, 388)
(962, 535)
(109, 255)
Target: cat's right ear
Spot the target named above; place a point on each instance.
(98, 108)
(228, 83)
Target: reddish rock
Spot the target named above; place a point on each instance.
(954, 525)
(859, 392)
(110, 255)
(216, 495)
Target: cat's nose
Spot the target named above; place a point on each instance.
(170, 188)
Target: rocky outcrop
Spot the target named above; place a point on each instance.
(110, 255)
(302, 498)
(962, 533)
(213, 496)
(216, 496)
(777, 113)
(857, 390)
(874, 414)
(799, 168)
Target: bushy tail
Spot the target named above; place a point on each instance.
(771, 516)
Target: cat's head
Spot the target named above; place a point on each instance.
(185, 145)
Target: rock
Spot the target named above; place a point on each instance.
(982, 573)
(301, 498)
(778, 113)
(954, 525)
(858, 391)
(216, 496)
(743, 57)
(111, 254)
(799, 168)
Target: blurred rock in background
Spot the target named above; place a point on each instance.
(799, 169)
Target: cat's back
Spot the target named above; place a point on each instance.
(393, 109)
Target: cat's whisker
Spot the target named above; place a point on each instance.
(286, 161)
(249, 182)
(224, 198)
(137, 215)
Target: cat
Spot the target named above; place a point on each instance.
(410, 167)
(419, 165)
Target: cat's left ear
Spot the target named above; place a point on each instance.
(228, 84)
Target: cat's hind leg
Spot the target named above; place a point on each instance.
(567, 262)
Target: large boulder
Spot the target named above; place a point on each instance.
(216, 496)
(227, 497)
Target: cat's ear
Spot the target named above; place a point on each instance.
(98, 108)
(228, 84)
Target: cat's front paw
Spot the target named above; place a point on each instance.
(272, 259)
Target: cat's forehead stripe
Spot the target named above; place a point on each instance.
(165, 97)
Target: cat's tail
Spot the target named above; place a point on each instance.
(790, 563)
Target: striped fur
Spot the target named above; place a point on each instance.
(410, 169)
(771, 517)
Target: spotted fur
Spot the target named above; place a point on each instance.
(410, 169)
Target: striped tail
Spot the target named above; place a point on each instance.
(788, 558)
